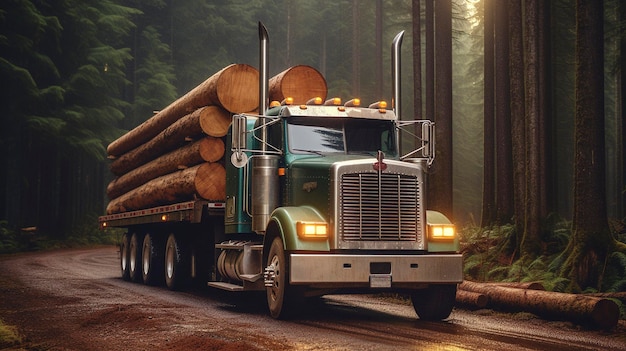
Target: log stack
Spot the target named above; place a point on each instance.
(178, 153)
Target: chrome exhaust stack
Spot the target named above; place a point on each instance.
(395, 74)
(264, 178)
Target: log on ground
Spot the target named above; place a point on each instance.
(206, 180)
(471, 299)
(172, 137)
(591, 311)
(207, 149)
(299, 82)
(235, 88)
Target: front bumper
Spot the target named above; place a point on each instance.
(339, 270)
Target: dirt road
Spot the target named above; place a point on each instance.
(75, 300)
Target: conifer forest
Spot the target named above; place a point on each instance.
(528, 97)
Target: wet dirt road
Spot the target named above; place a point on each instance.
(75, 300)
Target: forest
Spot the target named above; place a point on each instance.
(527, 95)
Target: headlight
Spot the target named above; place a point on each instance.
(312, 230)
(442, 232)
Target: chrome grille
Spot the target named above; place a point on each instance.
(379, 207)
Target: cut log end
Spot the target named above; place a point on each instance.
(210, 181)
(299, 82)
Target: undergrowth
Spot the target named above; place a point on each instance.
(84, 233)
(490, 255)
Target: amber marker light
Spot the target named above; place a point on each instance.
(281, 171)
(442, 232)
(312, 230)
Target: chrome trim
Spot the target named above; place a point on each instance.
(378, 210)
(343, 270)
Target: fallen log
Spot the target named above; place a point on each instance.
(471, 299)
(206, 180)
(299, 82)
(173, 137)
(235, 88)
(593, 311)
(518, 285)
(207, 149)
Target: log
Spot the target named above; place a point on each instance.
(235, 88)
(518, 285)
(299, 82)
(206, 180)
(471, 299)
(172, 137)
(207, 149)
(593, 311)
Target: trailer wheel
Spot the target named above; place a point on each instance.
(124, 252)
(281, 297)
(176, 270)
(152, 260)
(134, 257)
(435, 302)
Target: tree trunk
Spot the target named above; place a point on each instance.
(210, 119)
(593, 311)
(518, 119)
(440, 183)
(591, 239)
(504, 162)
(299, 82)
(531, 240)
(207, 149)
(235, 88)
(206, 180)
(489, 196)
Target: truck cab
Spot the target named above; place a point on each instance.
(340, 208)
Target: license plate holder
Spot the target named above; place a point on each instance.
(380, 281)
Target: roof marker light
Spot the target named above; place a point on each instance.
(315, 101)
(333, 102)
(356, 102)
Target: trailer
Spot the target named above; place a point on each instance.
(319, 200)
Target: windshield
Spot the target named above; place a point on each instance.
(340, 135)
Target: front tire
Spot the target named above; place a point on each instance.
(134, 257)
(281, 297)
(176, 268)
(434, 303)
(152, 260)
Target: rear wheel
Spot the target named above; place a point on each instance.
(124, 252)
(435, 302)
(152, 260)
(176, 267)
(134, 257)
(281, 297)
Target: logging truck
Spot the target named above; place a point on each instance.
(315, 199)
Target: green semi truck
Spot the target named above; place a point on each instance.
(319, 200)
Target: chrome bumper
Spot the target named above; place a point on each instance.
(350, 269)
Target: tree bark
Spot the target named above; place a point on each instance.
(489, 195)
(299, 82)
(206, 180)
(440, 181)
(210, 119)
(504, 162)
(518, 119)
(207, 149)
(471, 299)
(235, 88)
(592, 311)
(591, 239)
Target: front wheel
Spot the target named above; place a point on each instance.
(281, 297)
(435, 302)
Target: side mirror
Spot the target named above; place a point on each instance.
(239, 141)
